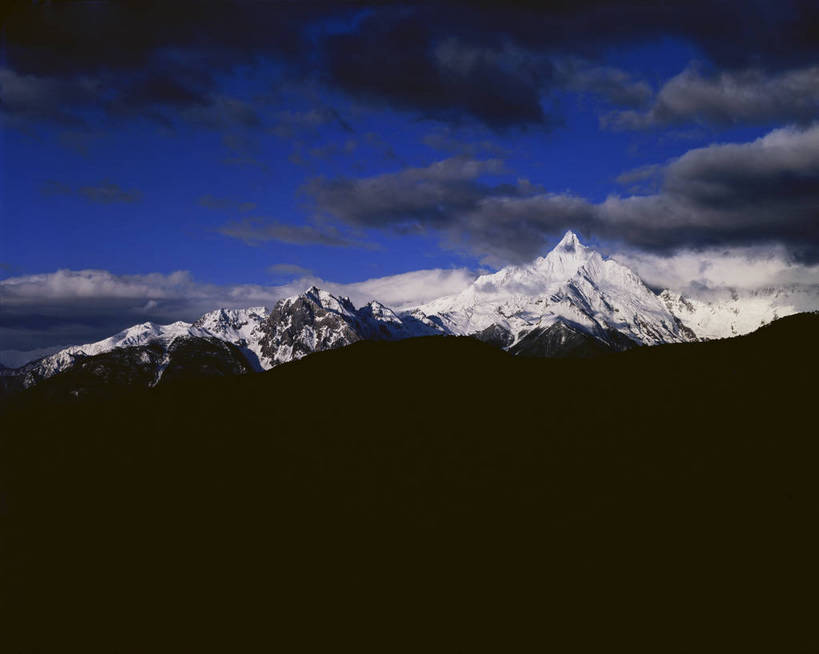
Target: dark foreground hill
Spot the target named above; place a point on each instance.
(427, 495)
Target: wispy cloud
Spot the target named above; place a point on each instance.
(255, 231)
(103, 193)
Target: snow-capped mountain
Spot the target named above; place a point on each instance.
(143, 334)
(736, 312)
(572, 301)
(572, 286)
(295, 327)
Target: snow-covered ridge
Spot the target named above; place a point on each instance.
(296, 326)
(571, 294)
(735, 312)
(146, 333)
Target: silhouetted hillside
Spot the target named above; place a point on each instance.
(433, 494)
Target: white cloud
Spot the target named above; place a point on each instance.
(698, 272)
(406, 289)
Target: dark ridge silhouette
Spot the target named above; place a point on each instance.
(433, 494)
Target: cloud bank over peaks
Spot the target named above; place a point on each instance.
(81, 306)
(699, 273)
(72, 307)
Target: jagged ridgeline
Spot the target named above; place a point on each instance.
(572, 302)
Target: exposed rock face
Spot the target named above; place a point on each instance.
(308, 323)
(318, 321)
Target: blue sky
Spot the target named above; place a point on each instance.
(262, 144)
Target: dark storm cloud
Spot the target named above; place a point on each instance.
(506, 229)
(43, 98)
(76, 102)
(455, 61)
(734, 193)
(722, 195)
(450, 79)
(413, 196)
(74, 38)
(504, 221)
(104, 193)
(728, 194)
(731, 97)
(152, 59)
(495, 64)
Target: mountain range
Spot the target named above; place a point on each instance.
(570, 302)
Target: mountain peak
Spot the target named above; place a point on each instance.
(569, 242)
(326, 300)
(564, 260)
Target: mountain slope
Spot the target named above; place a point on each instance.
(145, 366)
